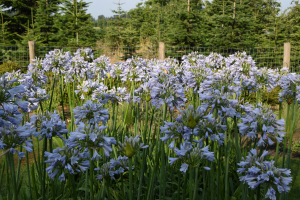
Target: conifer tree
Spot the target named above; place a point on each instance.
(184, 24)
(44, 21)
(17, 13)
(114, 32)
(75, 25)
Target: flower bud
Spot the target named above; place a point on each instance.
(148, 98)
(129, 152)
(191, 123)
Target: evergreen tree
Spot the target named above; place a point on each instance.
(5, 32)
(44, 25)
(17, 13)
(145, 21)
(75, 26)
(290, 26)
(114, 32)
(182, 21)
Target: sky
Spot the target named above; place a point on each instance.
(104, 7)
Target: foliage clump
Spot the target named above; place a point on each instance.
(10, 67)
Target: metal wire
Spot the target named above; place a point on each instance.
(271, 57)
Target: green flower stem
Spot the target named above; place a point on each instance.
(13, 176)
(91, 175)
(122, 185)
(73, 102)
(70, 104)
(2, 172)
(204, 184)
(277, 144)
(184, 186)
(7, 175)
(154, 169)
(151, 123)
(146, 123)
(237, 146)
(291, 133)
(107, 188)
(130, 179)
(19, 167)
(142, 174)
(62, 97)
(252, 195)
(86, 184)
(28, 173)
(44, 170)
(52, 181)
(196, 184)
(178, 182)
(219, 171)
(285, 138)
(74, 187)
(52, 92)
(191, 170)
(212, 174)
(227, 148)
(258, 192)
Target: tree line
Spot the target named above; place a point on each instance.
(48, 22)
(189, 23)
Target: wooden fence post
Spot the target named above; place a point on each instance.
(287, 55)
(162, 49)
(31, 45)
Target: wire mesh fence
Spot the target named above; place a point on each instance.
(271, 57)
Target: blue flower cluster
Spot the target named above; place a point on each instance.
(257, 172)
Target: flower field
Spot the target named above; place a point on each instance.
(83, 128)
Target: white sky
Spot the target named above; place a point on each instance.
(104, 7)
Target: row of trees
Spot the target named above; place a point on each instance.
(48, 22)
(219, 23)
(225, 23)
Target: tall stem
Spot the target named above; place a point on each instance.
(291, 133)
(277, 145)
(51, 98)
(91, 175)
(191, 183)
(196, 184)
(28, 173)
(130, 179)
(285, 138)
(12, 170)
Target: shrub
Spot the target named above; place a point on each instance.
(10, 67)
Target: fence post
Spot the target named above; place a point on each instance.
(161, 53)
(31, 45)
(287, 55)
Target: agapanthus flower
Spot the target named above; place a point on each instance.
(48, 125)
(262, 120)
(91, 113)
(92, 136)
(191, 156)
(113, 167)
(66, 160)
(215, 60)
(131, 146)
(169, 92)
(13, 137)
(102, 67)
(193, 122)
(257, 172)
(290, 87)
(87, 87)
